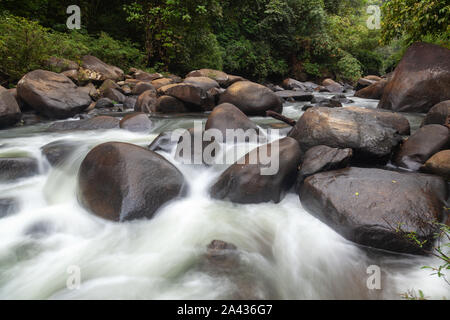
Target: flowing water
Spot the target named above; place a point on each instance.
(285, 253)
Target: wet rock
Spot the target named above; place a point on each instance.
(17, 168)
(203, 82)
(146, 102)
(136, 122)
(59, 151)
(114, 95)
(345, 128)
(10, 112)
(97, 123)
(246, 183)
(145, 76)
(220, 77)
(8, 206)
(123, 182)
(162, 82)
(162, 142)
(97, 70)
(438, 114)
(420, 81)
(323, 158)
(189, 94)
(104, 103)
(141, 87)
(227, 116)
(439, 164)
(222, 255)
(342, 98)
(52, 94)
(109, 84)
(294, 95)
(168, 104)
(251, 98)
(130, 102)
(22, 105)
(292, 84)
(423, 144)
(231, 80)
(367, 206)
(374, 91)
(332, 86)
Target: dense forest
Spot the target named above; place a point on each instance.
(259, 39)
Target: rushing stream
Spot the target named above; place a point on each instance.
(285, 252)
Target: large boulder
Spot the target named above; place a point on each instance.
(146, 102)
(420, 81)
(193, 96)
(251, 98)
(168, 104)
(158, 83)
(52, 94)
(203, 82)
(439, 164)
(423, 144)
(122, 182)
(438, 114)
(323, 158)
(227, 116)
(374, 91)
(245, 183)
(345, 128)
(136, 122)
(141, 87)
(99, 70)
(9, 109)
(377, 208)
(220, 77)
(17, 168)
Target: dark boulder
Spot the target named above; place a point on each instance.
(97, 123)
(439, 164)
(168, 104)
(163, 142)
(251, 98)
(123, 182)
(109, 84)
(114, 95)
(59, 151)
(52, 94)
(423, 144)
(438, 114)
(246, 183)
(203, 82)
(377, 208)
(17, 168)
(130, 102)
(104, 103)
(146, 102)
(420, 81)
(141, 87)
(294, 95)
(323, 158)
(136, 122)
(97, 70)
(145, 76)
(292, 84)
(9, 109)
(374, 91)
(345, 128)
(227, 116)
(190, 94)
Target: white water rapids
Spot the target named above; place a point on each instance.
(286, 253)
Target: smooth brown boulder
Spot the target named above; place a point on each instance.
(438, 114)
(114, 95)
(141, 87)
(219, 76)
(374, 91)
(423, 144)
(203, 82)
(190, 94)
(146, 102)
(99, 70)
(352, 128)
(245, 183)
(323, 158)
(420, 81)
(251, 98)
(158, 83)
(136, 122)
(168, 104)
(145, 76)
(227, 116)
(439, 164)
(9, 109)
(123, 182)
(52, 94)
(369, 206)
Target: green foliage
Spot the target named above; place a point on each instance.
(415, 20)
(348, 68)
(25, 45)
